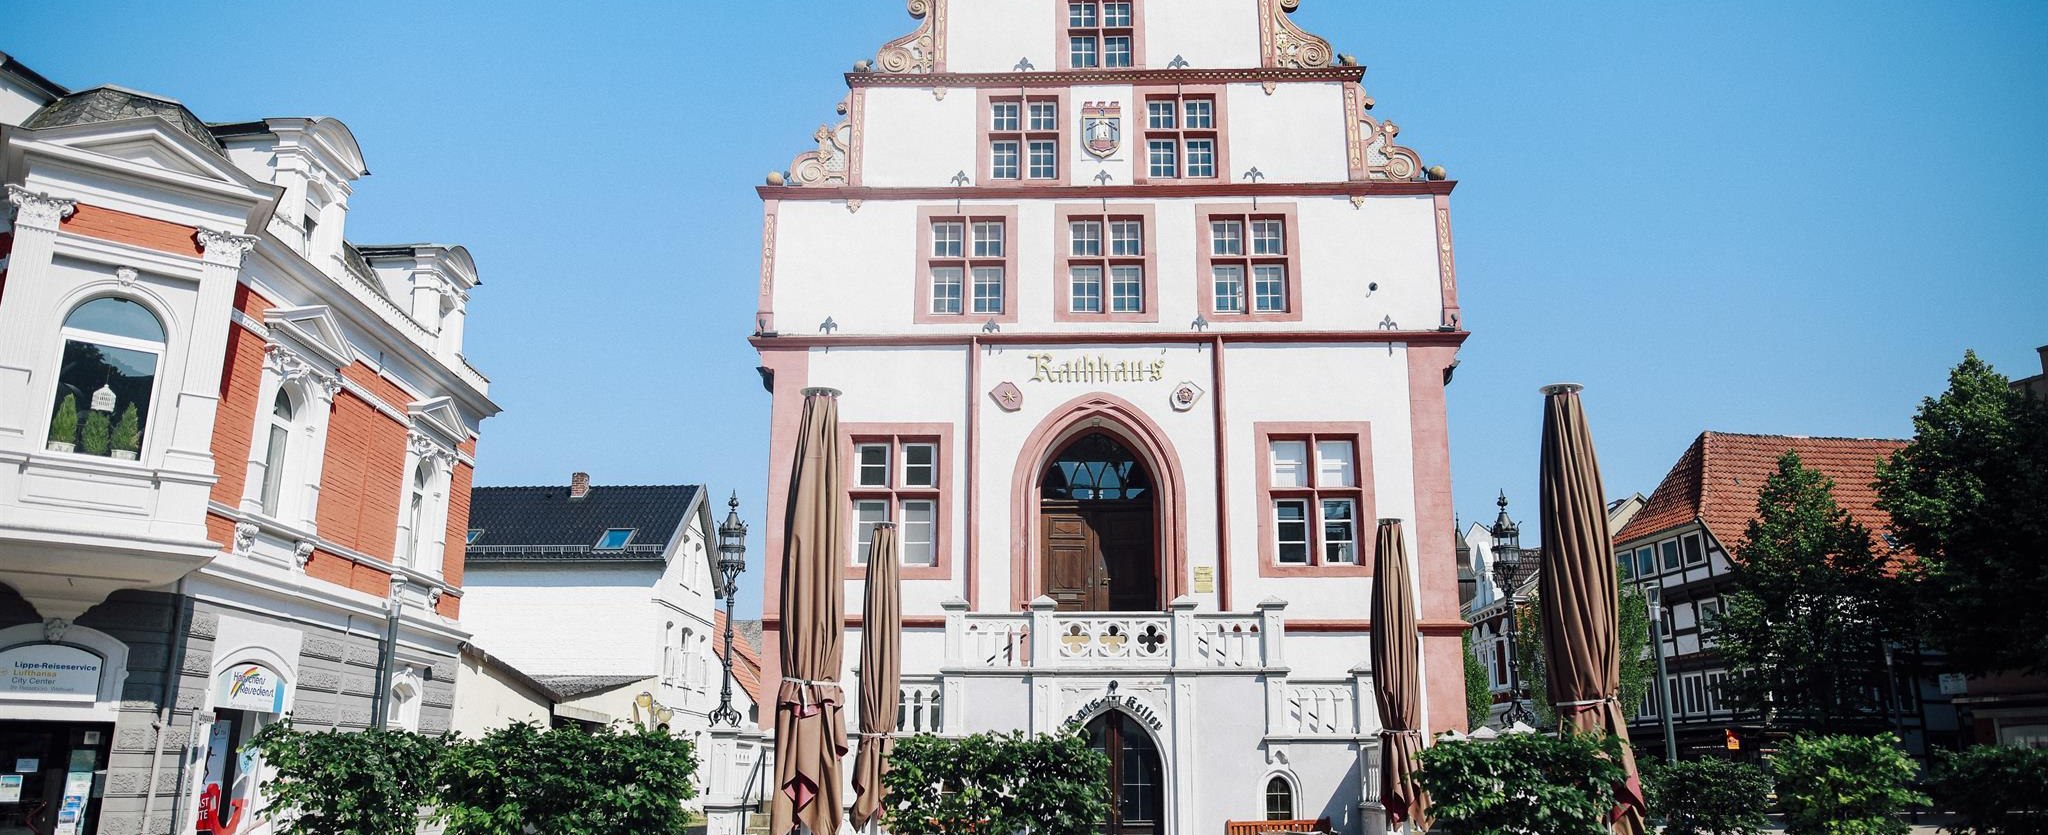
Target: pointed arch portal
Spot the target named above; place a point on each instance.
(1099, 509)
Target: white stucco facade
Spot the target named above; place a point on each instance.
(1008, 259)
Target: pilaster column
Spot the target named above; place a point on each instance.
(956, 631)
(198, 398)
(1271, 632)
(1181, 645)
(37, 218)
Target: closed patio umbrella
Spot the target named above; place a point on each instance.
(1578, 591)
(881, 674)
(1396, 677)
(810, 733)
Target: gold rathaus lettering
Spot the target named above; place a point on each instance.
(1095, 370)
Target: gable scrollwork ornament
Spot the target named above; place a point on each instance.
(923, 51)
(1378, 155)
(1286, 45)
(830, 164)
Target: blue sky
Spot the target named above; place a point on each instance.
(1741, 216)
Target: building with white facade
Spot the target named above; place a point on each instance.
(233, 447)
(604, 595)
(1141, 321)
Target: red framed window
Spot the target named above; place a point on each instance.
(967, 265)
(1100, 34)
(1106, 265)
(899, 473)
(1250, 263)
(1183, 136)
(1315, 485)
(1021, 138)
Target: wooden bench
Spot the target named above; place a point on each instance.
(1263, 827)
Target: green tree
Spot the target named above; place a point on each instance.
(1523, 783)
(1478, 688)
(1638, 667)
(1966, 497)
(64, 424)
(93, 438)
(568, 781)
(1805, 632)
(1053, 784)
(1845, 785)
(372, 782)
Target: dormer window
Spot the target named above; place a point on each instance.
(615, 539)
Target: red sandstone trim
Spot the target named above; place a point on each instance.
(1205, 260)
(792, 373)
(1083, 414)
(1447, 263)
(1153, 191)
(922, 314)
(764, 310)
(972, 557)
(1064, 259)
(896, 435)
(856, 116)
(1222, 431)
(1411, 338)
(1111, 77)
(1359, 433)
(1434, 538)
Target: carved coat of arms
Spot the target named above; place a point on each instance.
(1102, 128)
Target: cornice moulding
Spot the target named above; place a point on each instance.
(1348, 188)
(1064, 78)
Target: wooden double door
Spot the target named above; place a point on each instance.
(1102, 558)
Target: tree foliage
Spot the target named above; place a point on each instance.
(1806, 630)
(1478, 688)
(1638, 666)
(1523, 783)
(1845, 785)
(1052, 784)
(1997, 790)
(1966, 496)
(568, 781)
(372, 782)
(1709, 797)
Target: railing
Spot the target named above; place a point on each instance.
(1321, 709)
(919, 710)
(1179, 638)
(1369, 775)
(1263, 827)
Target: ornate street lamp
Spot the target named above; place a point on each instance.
(1508, 573)
(732, 561)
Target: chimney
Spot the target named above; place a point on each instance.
(2043, 350)
(579, 485)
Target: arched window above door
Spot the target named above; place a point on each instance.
(1096, 468)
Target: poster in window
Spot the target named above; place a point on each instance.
(10, 788)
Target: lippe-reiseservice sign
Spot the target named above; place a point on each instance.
(50, 671)
(249, 687)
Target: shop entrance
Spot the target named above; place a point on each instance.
(51, 774)
(1136, 781)
(1099, 525)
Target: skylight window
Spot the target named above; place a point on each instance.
(615, 539)
(474, 535)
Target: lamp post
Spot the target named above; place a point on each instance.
(1654, 595)
(1508, 571)
(732, 561)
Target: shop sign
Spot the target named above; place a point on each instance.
(50, 671)
(248, 686)
(1131, 705)
(1954, 684)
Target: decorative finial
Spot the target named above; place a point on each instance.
(1255, 174)
(1201, 323)
(863, 65)
(992, 327)
(1023, 65)
(961, 178)
(776, 178)
(828, 326)
(1178, 63)
(1103, 178)
(1437, 172)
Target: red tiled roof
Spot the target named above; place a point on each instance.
(1718, 478)
(746, 660)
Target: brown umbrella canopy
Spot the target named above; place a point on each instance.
(881, 674)
(1580, 599)
(1397, 676)
(810, 734)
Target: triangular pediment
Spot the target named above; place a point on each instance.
(439, 414)
(313, 327)
(152, 142)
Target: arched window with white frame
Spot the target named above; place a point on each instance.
(1280, 798)
(413, 538)
(113, 348)
(283, 423)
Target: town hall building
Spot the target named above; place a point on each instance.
(1142, 318)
